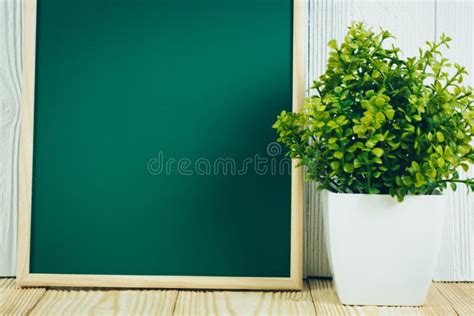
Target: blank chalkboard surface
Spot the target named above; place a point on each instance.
(148, 155)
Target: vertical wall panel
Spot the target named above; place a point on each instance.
(10, 91)
(456, 259)
(327, 20)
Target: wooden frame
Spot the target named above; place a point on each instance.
(25, 278)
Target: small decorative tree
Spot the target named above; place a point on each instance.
(380, 123)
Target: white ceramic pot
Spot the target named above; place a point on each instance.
(382, 252)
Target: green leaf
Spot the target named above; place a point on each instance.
(415, 166)
(407, 180)
(440, 162)
(390, 114)
(335, 165)
(352, 149)
(332, 44)
(346, 58)
(370, 143)
(378, 152)
(374, 191)
(348, 168)
(332, 124)
(338, 154)
(431, 173)
(379, 116)
(357, 163)
(379, 101)
(348, 77)
(420, 180)
(440, 137)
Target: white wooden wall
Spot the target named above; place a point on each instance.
(10, 91)
(412, 22)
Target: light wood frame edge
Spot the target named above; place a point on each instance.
(25, 278)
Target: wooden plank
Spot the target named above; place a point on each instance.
(126, 302)
(26, 144)
(7, 283)
(327, 303)
(10, 94)
(456, 258)
(459, 295)
(325, 299)
(435, 304)
(245, 303)
(153, 282)
(297, 177)
(443, 299)
(18, 301)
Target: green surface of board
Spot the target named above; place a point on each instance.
(152, 138)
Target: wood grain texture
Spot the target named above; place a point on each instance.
(297, 177)
(7, 283)
(317, 298)
(25, 172)
(326, 20)
(456, 258)
(157, 281)
(18, 301)
(10, 94)
(245, 303)
(115, 302)
(327, 303)
(456, 294)
(412, 22)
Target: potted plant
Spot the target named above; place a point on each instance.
(383, 135)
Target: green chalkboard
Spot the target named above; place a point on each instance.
(153, 149)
